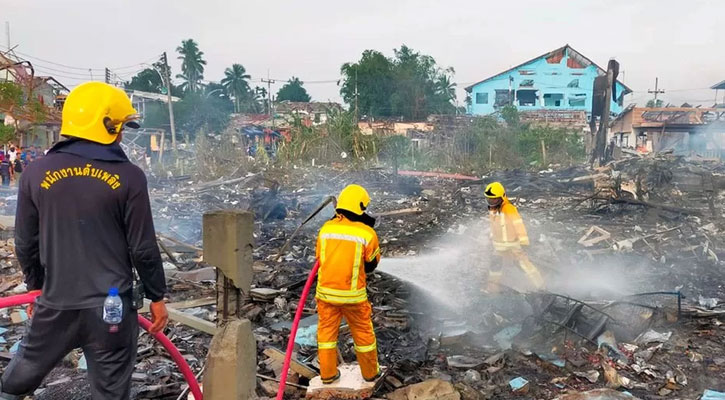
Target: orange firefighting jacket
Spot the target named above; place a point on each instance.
(343, 248)
(507, 228)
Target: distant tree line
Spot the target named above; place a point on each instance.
(409, 85)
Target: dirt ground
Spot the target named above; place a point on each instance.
(439, 324)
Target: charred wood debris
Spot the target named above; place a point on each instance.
(659, 216)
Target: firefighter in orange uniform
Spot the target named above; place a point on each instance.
(508, 234)
(347, 249)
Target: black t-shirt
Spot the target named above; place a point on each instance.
(5, 167)
(83, 220)
(18, 165)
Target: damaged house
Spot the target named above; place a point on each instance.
(311, 113)
(555, 87)
(682, 130)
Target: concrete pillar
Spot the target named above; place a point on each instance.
(231, 369)
(228, 241)
(232, 361)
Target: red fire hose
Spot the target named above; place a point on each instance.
(293, 331)
(21, 299)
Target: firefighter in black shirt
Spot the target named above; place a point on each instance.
(83, 223)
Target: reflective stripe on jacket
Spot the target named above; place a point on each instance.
(343, 247)
(507, 228)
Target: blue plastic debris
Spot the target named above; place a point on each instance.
(553, 359)
(82, 363)
(505, 336)
(307, 336)
(15, 347)
(3, 330)
(712, 395)
(518, 383)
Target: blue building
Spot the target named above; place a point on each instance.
(561, 80)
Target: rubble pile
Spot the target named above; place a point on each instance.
(646, 322)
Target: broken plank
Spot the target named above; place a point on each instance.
(438, 175)
(587, 240)
(678, 210)
(405, 211)
(191, 321)
(296, 366)
(166, 250)
(206, 301)
(180, 243)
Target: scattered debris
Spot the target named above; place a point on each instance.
(712, 395)
(519, 385)
(432, 389)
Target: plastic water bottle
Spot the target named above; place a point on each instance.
(113, 308)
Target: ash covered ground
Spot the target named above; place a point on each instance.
(634, 305)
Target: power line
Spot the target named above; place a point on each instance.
(46, 69)
(80, 68)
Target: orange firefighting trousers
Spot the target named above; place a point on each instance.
(509, 258)
(358, 317)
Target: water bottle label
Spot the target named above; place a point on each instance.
(113, 329)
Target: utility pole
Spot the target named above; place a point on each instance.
(108, 75)
(270, 99)
(7, 35)
(167, 76)
(269, 83)
(657, 90)
(90, 71)
(356, 107)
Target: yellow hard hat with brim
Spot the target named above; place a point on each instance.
(494, 190)
(97, 111)
(353, 198)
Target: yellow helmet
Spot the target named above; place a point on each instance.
(495, 190)
(97, 111)
(353, 198)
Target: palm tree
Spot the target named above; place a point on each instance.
(192, 64)
(445, 87)
(236, 85)
(259, 94)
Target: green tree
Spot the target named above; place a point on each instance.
(369, 82)
(147, 80)
(7, 133)
(156, 115)
(510, 114)
(445, 89)
(652, 103)
(410, 85)
(236, 84)
(422, 88)
(260, 99)
(293, 91)
(192, 65)
(197, 111)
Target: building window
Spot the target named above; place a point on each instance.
(625, 141)
(553, 99)
(503, 98)
(526, 97)
(527, 83)
(317, 118)
(578, 100)
(481, 98)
